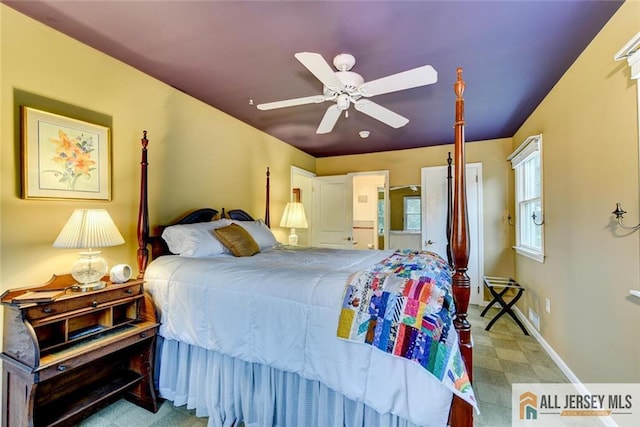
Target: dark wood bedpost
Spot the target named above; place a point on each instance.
(449, 207)
(143, 212)
(267, 215)
(461, 412)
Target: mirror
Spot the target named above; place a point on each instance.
(405, 208)
(405, 217)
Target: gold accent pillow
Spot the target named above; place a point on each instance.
(237, 240)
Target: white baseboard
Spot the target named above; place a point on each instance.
(607, 421)
(554, 356)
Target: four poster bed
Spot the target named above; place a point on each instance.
(310, 336)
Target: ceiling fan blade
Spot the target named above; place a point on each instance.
(315, 99)
(420, 76)
(329, 119)
(319, 68)
(381, 113)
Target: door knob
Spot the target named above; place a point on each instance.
(430, 242)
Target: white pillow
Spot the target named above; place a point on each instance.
(195, 240)
(260, 233)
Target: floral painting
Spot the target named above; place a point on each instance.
(64, 157)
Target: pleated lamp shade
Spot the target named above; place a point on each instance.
(293, 218)
(88, 229)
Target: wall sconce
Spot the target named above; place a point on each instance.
(510, 219)
(619, 213)
(533, 217)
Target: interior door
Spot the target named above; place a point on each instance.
(434, 219)
(332, 212)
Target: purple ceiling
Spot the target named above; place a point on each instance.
(227, 53)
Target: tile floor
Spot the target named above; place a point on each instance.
(502, 356)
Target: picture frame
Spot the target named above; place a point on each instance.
(64, 158)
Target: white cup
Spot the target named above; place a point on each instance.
(120, 273)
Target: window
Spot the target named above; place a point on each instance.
(412, 216)
(527, 164)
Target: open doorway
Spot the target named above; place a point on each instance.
(344, 211)
(370, 210)
(302, 186)
(347, 210)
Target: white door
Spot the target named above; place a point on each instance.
(434, 220)
(332, 212)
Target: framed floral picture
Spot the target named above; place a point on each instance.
(64, 158)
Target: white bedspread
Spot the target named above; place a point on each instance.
(280, 308)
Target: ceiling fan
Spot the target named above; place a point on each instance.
(344, 87)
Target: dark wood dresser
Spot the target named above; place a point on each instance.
(67, 358)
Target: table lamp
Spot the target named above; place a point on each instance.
(293, 218)
(88, 229)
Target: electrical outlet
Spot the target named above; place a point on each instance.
(547, 306)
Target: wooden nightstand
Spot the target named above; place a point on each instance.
(65, 359)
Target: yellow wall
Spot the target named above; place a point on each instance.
(589, 124)
(198, 156)
(404, 169)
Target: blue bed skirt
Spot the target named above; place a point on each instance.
(230, 391)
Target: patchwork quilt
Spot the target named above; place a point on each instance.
(404, 306)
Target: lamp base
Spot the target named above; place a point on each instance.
(88, 287)
(88, 270)
(293, 238)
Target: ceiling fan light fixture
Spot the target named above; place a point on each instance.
(343, 102)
